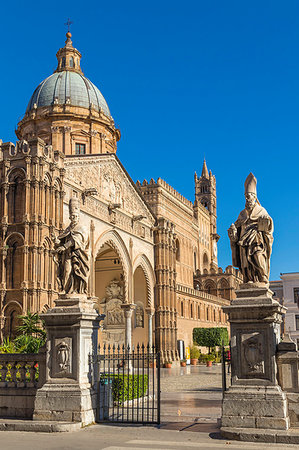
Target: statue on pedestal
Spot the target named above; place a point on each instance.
(72, 255)
(251, 237)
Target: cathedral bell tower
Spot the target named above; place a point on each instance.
(31, 207)
(205, 194)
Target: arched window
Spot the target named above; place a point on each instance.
(16, 197)
(11, 319)
(195, 261)
(224, 290)
(14, 262)
(210, 287)
(72, 62)
(205, 261)
(63, 62)
(177, 251)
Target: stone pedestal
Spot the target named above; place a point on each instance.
(254, 400)
(72, 332)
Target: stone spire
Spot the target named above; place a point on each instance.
(68, 57)
(204, 172)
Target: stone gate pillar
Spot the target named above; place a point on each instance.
(254, 400)
(69, 393)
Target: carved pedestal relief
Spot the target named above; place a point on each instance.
(62, 362)
(252, 356)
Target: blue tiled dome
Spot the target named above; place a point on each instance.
(68, 87)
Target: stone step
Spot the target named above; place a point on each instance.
(38, 426)
(290, 436)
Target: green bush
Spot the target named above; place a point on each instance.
(210, 337)
(126, 387)
(31, 336)
(194, 352)
(204, 358)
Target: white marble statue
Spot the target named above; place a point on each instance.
(72, 255)
(251, 237)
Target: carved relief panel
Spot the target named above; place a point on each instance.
(62, 361)
(253, 355)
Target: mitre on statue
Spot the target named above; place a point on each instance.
(250, 184)
(74, 205)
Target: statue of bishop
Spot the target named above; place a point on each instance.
(72, 254)
(251, 237)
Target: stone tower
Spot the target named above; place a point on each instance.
(31, 177)
(205, 194)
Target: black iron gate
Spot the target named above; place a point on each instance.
(129, 384)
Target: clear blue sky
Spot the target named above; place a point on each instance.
(183, 80)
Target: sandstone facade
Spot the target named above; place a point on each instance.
(153, 252)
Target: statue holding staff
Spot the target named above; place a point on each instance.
(251, 237)
(72, 254)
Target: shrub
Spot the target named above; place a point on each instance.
(194, 352)
(126, 387)
(210, 337)
(31, 336)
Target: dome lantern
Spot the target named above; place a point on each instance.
(68, 57)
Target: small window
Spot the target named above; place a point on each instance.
(63, 62)
(296, 295)
(182, 309)
(297, 322)
(198, 312)
(191, 311)
(72, 63)
(177, 250)
(80, 149)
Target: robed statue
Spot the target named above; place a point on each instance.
(71, 249)
(251, 237)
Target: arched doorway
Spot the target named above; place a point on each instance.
(109, 288)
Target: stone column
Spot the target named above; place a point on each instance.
(128, 310)
(69, 393)
(254, 400)
(150, 314)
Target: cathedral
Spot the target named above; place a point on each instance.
(154, 270)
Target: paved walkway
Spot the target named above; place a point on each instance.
(191, 394)
(103, 437)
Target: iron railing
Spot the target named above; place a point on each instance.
(129, 384)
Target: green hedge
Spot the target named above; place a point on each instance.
(126, 387)
(210, 337)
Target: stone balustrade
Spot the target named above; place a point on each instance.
(181, 289)
(20, 377)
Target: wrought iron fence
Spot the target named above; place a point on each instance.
(129, 384)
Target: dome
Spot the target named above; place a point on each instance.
(68, 87)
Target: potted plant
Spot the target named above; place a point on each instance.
(183, 363)
(168, 364)
(194, 355)
(210, 358)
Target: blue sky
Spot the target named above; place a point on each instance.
(183, 80)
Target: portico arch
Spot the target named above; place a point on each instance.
(112, 239)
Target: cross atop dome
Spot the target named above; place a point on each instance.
(68, 56)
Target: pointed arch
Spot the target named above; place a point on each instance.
(114, 240)
(142, 261)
